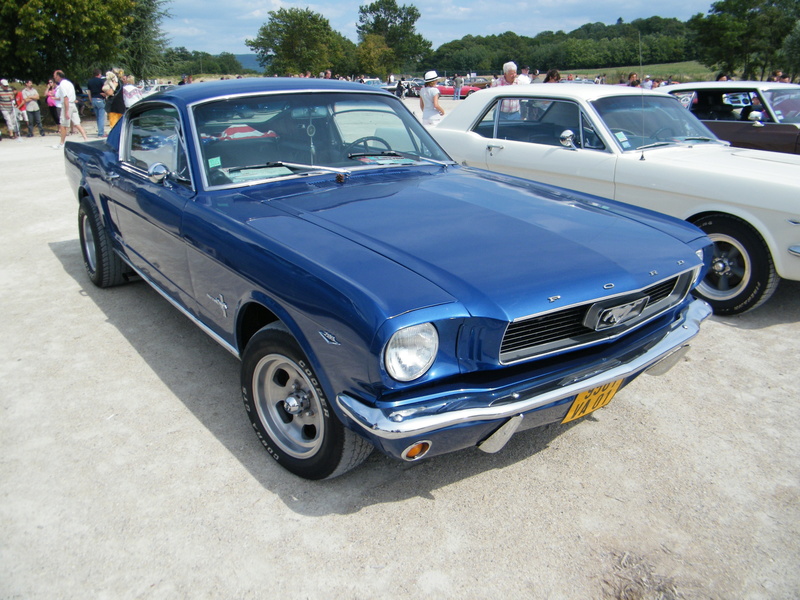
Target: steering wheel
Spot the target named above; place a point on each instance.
(363, 142)
(657, 134)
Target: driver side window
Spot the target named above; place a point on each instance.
(154, 137)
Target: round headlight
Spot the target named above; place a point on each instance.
(411, 351)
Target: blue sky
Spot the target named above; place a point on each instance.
(215, 28)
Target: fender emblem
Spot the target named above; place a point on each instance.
(330, 338)
(219, 301)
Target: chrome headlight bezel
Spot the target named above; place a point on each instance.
(411, 351)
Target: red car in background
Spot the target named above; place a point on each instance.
(447, 89)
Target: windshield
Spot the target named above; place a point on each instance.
(648, 121)
(785, 104)
(256, 138)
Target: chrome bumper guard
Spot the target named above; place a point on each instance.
(399, 423)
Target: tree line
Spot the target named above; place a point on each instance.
(746, 37)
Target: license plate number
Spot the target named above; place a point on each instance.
(590, 400)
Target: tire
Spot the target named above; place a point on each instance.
(104, 267)
(290, 413)
(742, 274)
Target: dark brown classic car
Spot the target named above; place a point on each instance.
(749, 114)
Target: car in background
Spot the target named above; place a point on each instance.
(447, 88)
(378, 294)
(158, 87)
(413, 86)
(749, 114)
(642, 147)
(478, 82)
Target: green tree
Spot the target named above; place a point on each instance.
(374, 56)
(743, 34)
(143, 42)
(343, 55)
(791, 52)
(40, 36)
(397, 26)
(294, 40)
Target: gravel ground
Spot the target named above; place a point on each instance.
(128, 468)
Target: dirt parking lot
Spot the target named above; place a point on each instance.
(128, 468)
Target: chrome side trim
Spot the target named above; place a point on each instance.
(214, 336)
(391, 424)
(794, 250)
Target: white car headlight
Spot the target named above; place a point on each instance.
(411, 351)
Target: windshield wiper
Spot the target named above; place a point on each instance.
(290, 165)
(655, 145)
(701, 139)
(381, 153)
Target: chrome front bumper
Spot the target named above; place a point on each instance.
(398, 424)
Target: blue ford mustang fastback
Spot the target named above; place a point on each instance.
(378, 294)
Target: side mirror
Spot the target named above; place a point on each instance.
(755, 115)
(567, 139)
(158, 172)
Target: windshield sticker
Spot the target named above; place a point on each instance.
(383, 160)
(623, 139)
(214, 162)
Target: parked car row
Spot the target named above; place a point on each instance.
(381, 295)
(378, 294)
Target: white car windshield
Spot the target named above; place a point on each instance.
(255, 138)
(643, 121)
(785, 104)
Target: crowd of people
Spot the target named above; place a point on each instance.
(109, 96)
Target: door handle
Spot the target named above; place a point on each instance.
(492, 147)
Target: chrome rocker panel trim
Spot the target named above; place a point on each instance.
(388, 424)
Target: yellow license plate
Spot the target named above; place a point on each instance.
(590, 400)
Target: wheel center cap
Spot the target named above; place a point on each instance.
(720, 266)
(295, 403)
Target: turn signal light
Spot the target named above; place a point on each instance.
(416, 451)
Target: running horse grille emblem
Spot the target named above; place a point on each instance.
(617, 315)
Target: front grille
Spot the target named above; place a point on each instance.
(565, 328)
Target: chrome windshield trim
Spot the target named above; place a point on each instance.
(410, 422)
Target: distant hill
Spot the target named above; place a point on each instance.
(249, 61)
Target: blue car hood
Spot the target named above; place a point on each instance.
(501, 246)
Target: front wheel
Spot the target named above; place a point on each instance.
(742, 275)
(290, 413)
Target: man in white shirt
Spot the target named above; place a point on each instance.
(69, 110)
(524, 76)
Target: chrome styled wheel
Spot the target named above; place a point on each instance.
(289, 410)
(741, 275)
(730, 270)
(89, 248)
(288, 406)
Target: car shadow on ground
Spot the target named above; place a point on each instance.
(205, 378)
(783, 307)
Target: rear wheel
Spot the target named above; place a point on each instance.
(290, 413)
(742, 275)
(102, 264)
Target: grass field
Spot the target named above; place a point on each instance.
(682, 71)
